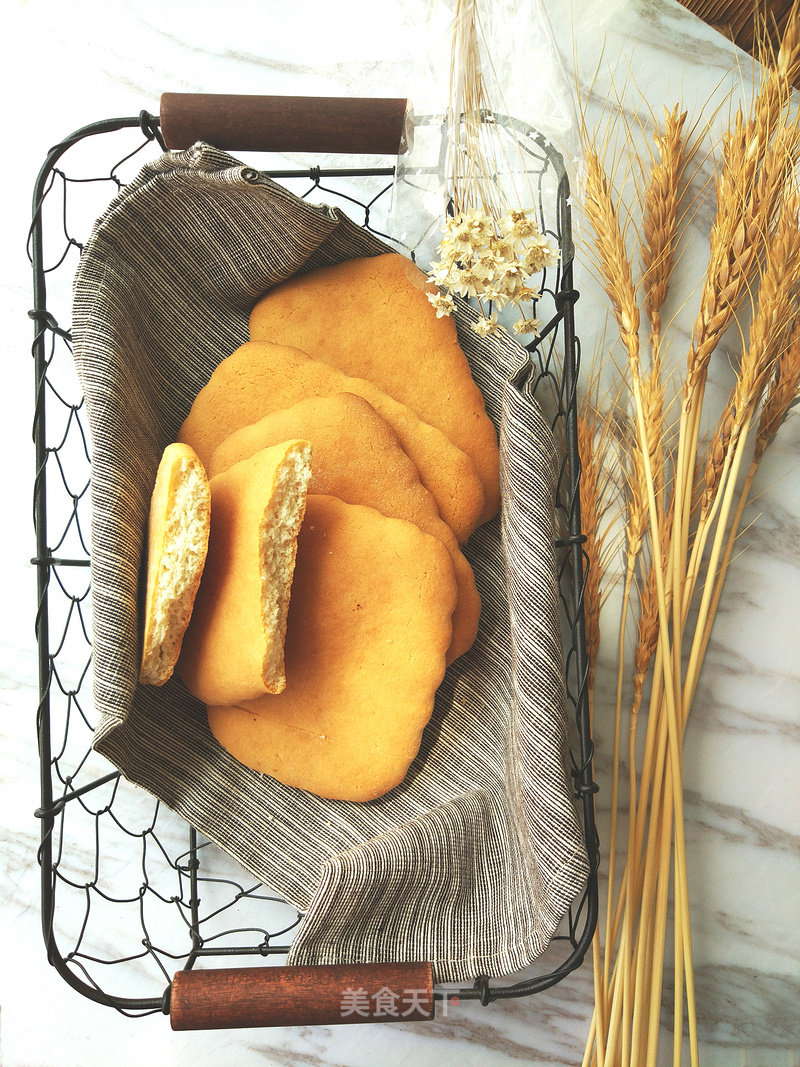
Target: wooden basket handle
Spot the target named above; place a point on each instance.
(314, 124)
(229, 997)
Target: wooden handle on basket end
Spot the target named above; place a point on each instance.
(230, 997)
(357, 126)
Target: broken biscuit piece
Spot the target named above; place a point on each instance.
(233, 649)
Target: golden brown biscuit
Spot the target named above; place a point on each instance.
(233, 649)
(369, 626)
(260, 377)
(358, 458)
(178, 529)
(370, 317)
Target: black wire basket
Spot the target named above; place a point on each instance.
(150, 897)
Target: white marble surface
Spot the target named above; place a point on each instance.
(66, 65)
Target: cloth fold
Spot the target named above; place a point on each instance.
(472, 862)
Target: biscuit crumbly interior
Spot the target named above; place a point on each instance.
(278, 547)
(183, 553)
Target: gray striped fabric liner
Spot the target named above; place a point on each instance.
(472, 862)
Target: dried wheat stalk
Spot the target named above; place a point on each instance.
(684, 506)
(660, 222)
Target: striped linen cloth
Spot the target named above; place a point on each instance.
(471, 862)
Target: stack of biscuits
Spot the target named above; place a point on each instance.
(305, 577)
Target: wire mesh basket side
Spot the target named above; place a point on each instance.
(170, 897)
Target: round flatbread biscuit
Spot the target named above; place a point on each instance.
(261, 377)
(368, 630)
(370, 317)
(358, 458)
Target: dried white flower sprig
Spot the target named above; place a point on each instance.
(489, 251)
(494, 261)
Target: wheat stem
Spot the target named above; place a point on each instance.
(589, 1053)
(781, 394)
(599, 1001)
(635, 528)
(646, 936)
(660, 923)
(691, 687)
(694, 663)
(612, 835)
